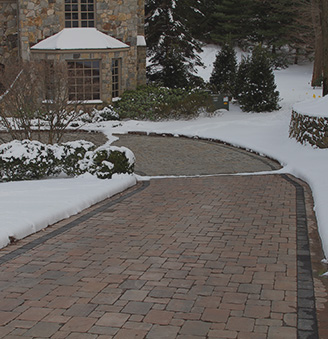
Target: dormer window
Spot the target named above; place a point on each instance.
(79, 13)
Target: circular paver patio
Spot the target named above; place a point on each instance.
(159, 155)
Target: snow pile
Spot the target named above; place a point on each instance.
(314, 107)
(28, 206)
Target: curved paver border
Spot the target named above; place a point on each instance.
(307, 324)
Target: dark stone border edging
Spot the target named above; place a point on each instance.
(307, 324)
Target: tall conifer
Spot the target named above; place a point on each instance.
(172, 50)
(224, 70)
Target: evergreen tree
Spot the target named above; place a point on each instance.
(257, 89)
(224, 71)
(172, 50)
(231, 19)
(200, 20)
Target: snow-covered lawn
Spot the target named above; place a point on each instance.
(26, 207)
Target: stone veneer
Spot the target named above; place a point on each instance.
(8, 31)
(308, 129)
(39, 19)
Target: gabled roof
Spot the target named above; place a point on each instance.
(79, 38)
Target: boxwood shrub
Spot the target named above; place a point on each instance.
(29, 160)
(158, 103)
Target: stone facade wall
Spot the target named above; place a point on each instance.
(141, 80)
(121, 19)
(9, 47)
(106, 64)
(309, 130)
(39, 19)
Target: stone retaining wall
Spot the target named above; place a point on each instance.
(308, 129)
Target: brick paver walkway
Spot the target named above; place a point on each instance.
(208, 257)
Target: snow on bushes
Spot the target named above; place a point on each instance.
(28, 160)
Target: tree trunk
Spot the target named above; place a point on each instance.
(318, 53)
(324, 26)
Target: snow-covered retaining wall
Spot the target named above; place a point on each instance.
(309, 123)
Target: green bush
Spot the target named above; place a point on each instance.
(157, 103)
(73, 153)
(26, 160)
(107, 161)
(30, 160)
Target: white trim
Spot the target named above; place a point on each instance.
(141, 41)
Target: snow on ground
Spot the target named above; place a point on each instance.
(29, 206)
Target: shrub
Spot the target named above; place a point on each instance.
(105, 161)
(157, 103)
(73, 152)
(256, 88)
(28, 160)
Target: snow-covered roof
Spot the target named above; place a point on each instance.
(141, 41)
(313, 107)
(79, 38)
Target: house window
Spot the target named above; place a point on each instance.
(116, 77)
(84, 80)
(79, 13)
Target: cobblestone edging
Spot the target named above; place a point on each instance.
(307, 325)
(309, 129)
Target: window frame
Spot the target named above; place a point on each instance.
(116, 73)
(86, 81)
(76, 14)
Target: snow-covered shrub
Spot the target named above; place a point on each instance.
(73, 153)
(105, 114)
(107, 160)
(98, 115)
(26, 160)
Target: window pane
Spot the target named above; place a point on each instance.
(84, 77)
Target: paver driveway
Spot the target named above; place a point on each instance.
(207, 257)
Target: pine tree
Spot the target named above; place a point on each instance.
(172, 50)
(200, 20)
(232, 20)
(258, 90)
(224, 72)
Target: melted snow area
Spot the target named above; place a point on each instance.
(26, 207)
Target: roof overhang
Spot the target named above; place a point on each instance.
(79, 39)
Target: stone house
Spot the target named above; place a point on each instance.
(102, 42)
